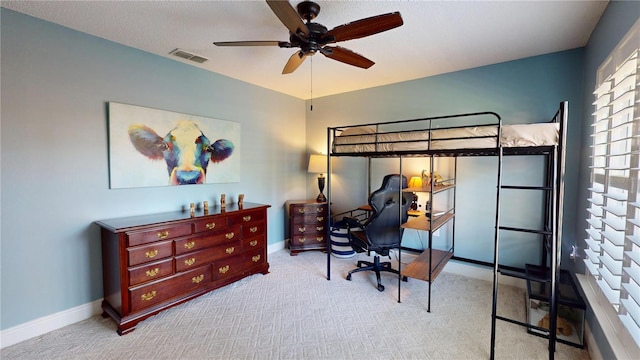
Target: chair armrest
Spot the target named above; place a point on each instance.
(352, 222)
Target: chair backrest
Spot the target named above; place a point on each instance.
(383, 226)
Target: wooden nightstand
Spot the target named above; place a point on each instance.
(307, 222)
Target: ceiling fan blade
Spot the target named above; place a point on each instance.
(294, 61)
(363, 27)
(346, 56)
(282, 44)
(289, 16)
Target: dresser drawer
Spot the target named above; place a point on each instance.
(150, 271)
(253, 242)
(250, 230)
(247, 217)
(201, 257)
(208, 239)
(162, 233)
(156, 292)
(145, 253)
(213, 223)
(233, 265)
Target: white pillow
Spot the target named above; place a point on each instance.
(358, 130)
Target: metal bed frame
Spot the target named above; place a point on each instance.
(553, 191)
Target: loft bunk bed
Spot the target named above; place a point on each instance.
(473, 134)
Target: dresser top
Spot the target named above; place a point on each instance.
(130, 222)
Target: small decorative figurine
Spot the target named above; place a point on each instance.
(223, 201)
(205, 206)
(240, 200)
(192, 209)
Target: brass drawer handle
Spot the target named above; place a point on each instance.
(190, 262)
(229, 235)
(320, 218)
(148, 296)
(253, 243)
(302, 229)
(190, 245)
(151, 254)
(253, 229)
(302, 240)
(230, 250)
(255, 258)
(246, 218)
(163, 234)
(224, 269)
(319, 238)
(153, 272)
(197, 279)
(301, 211)
(320, 209)
(319, 228)
(210, 225)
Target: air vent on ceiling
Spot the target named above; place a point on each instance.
(188, 55)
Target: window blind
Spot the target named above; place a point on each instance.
(612, 245)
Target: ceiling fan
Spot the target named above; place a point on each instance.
(312, 37)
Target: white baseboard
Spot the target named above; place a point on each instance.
(45, 324)
(271, 248)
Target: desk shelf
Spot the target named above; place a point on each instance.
(425, 268)
(427, 224)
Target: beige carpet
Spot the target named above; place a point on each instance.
(295, 313)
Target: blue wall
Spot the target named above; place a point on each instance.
(56, 83)
(521, 91)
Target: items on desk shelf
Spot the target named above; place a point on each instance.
(205, 207)
(427, 177)
(240, 201)
(192, 209)
(223, 201)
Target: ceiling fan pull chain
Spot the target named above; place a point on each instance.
(312, 83)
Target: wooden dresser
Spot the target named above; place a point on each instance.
(308, 222)
(153, 262)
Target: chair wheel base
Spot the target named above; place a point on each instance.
(380, 287)
(349, 277)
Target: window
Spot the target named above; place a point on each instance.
(613, 222)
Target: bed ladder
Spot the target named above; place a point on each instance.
(549, 250)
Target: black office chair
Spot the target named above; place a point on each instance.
(381, 232)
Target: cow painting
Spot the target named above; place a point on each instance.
(185, 149)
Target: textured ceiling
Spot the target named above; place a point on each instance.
(437, 36)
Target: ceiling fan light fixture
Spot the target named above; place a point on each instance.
(188, 55)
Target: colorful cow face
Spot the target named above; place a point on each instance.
(185, 149)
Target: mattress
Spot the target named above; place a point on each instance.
(365, 140)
